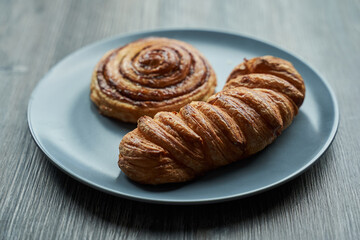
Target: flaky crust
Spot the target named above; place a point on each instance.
(260, 99)
(148, 76)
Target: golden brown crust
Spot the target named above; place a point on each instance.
(273, 66)
(148, 76)
(259, 101)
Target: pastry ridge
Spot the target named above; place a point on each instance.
(260, 99)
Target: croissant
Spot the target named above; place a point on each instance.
(259, 100)
(148, 76)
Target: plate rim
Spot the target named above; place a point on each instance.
(69, 172)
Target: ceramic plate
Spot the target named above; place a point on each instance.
(77, 139)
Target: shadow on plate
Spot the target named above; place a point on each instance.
(111, 123)
(84, 113)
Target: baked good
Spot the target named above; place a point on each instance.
(260, 99)
(150, 75)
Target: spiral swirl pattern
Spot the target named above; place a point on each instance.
(259, 100)
(148, 76)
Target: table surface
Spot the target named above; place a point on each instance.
(38, 201)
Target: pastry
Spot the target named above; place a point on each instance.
(150, 75)
(260, 99)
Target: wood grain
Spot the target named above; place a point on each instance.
(38, 201)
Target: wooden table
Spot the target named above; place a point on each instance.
(38, 201)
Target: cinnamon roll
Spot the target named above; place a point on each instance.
(148, 76)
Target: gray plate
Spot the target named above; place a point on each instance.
(84, 144)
